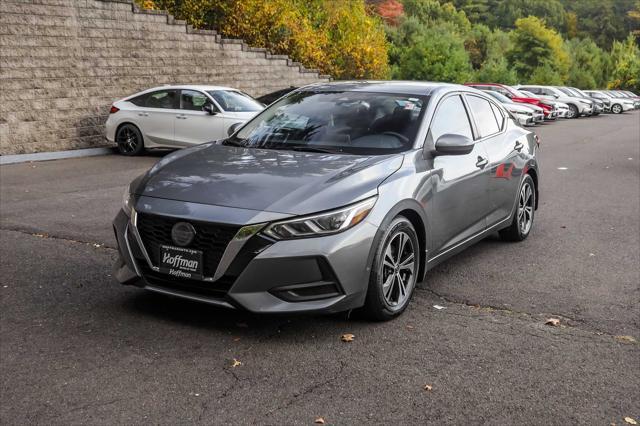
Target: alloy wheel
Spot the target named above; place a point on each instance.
(525, 208)
(573, 112)
(617, 109)
(127, 140)
(398, 270)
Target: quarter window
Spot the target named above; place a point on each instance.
(498, 114)
(452, 118)
(484, 117)
(193, 100)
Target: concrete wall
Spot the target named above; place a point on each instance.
(62, 63)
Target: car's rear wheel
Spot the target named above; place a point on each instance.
(573, 111)
(129, 140)
(394, 271)
(616, 109)
(523, 218)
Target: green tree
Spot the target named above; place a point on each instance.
(588, 62)
(537, 46)
(436, 53)
(624, 70)
(432, 12)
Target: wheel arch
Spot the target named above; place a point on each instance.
(534, 175)
(413, 212)
(124, 123)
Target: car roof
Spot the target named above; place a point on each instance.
(202, 87)
(403, 87)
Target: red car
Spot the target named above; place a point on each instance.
(515, 95)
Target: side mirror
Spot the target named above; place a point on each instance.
(232, 129)
(209, 108)
(452, 144)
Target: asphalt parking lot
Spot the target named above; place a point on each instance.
(78, 348)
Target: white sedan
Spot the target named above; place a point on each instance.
(177, 116)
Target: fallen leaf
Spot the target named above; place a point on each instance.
(236, 363)
(428, 387)
(630, 420)
(236, 339)
(626, 339)
(319, 421)
(553, 322)
(438, 307)
(409, 327)
(347, 337)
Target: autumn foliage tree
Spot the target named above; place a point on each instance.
(339, 38)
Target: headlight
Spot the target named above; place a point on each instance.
(584, 101)
(321, 224)
(127, 201)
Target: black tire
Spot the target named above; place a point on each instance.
(129, 140)
(573, 111)
(616, 109)
(379, 304)
(516, 231)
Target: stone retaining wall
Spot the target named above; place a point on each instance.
(62, 63)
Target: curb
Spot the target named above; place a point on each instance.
(55, 155)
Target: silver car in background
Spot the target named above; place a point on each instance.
(337, 196)
(617, 104)
(177, 116)
(577, 105)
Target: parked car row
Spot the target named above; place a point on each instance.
(179, 116)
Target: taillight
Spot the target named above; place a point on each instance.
(113, 109)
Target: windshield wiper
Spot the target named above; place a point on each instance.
(232, 142)
(313, 149)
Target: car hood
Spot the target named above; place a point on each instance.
(241, 115)
(276, 181)
(520, 107)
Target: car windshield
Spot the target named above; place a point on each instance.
(499, 96)
(580, 92)
(234, 101)
(517, 93)
(336, 122)
(566, 91)
(530, 95)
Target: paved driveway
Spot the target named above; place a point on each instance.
(78, 348)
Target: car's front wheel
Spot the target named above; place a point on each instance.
(616, 109)
(573, 111)
(523, 218)
(394, 271)
(129, 140)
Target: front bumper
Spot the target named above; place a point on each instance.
(323, 274)
(585, 109)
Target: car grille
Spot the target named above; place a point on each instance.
(211, 238)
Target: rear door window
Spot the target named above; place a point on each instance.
(166, 99)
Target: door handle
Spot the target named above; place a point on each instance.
(518, 146)
(181, 117)
(143, 114)
(482, 162)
